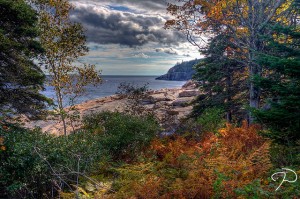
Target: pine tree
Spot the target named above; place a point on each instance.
(221, 79)
(281, 83)
(20, 78)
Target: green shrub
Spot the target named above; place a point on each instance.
(124, 136)
(34, 163)
(211, 120)
(282, 155)
(259, 189)
(253, 190)
(22, 171)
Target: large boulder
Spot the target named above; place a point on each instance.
(189, 93)
(181, 102)
(190, 85)
(148, 100)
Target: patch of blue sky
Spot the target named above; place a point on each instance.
(96, 47)
(138, 59)
(161, 55)
(120, 8)
(100, 58)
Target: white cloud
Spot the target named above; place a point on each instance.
(167, 50)
(141, 55)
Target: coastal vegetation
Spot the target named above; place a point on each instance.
(241, 141)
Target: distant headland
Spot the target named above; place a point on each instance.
(180, 72)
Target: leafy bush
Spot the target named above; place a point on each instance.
(34, 163)
(22, 171)
(282, 155)
(265, 188)
(211, 120)
(189, 129)
(124, 136)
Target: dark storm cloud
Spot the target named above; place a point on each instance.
(108, 26)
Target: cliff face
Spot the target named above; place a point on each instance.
(180, 72)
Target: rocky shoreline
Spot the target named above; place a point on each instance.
(163, 102)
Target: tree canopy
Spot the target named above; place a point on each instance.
(223, 83)
(244, 20)
(252, 59)
(20, 78)
(281, 84)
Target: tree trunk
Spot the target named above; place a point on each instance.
(64, 124)
(61, 109)
(229, 79)
(254, 90)
(228, 116)
(228, 98)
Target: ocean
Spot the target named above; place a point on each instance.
(110, 85)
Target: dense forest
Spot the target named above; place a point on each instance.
(242, 139)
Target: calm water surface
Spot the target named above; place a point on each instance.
(110, 85)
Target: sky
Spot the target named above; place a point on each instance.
(126, 37)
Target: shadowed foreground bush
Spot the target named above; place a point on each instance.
(34, 164)
(124, 136)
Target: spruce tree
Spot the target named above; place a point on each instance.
(281, 82)
(20, 78)
(222, 82)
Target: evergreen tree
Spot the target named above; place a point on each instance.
(281, 83)
(221, 79)
(20, 78)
